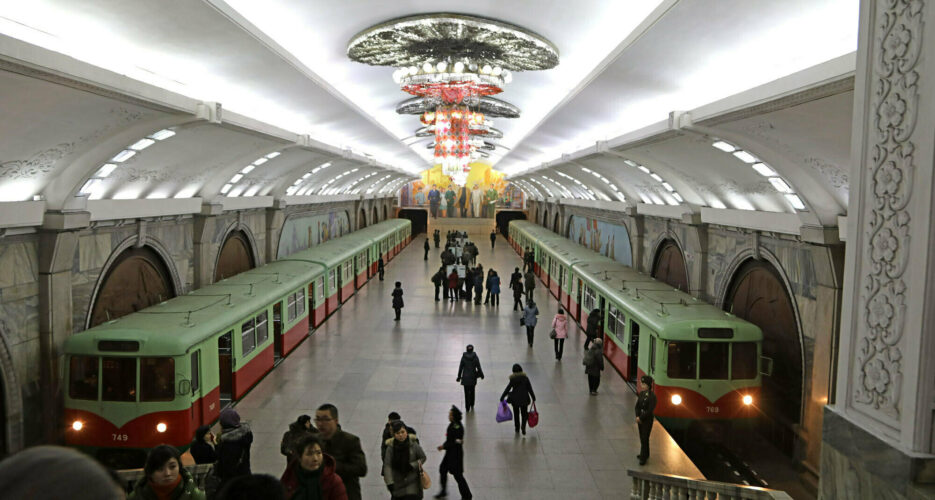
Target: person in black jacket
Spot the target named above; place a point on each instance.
(593, 329)
(344, 447)
(398, 299)
(426, 247)
(468, 372)
(436, 236)
(438, 279)
(202, 448)
(518, 393)
(645, 404)
(233, 447)
(388, 432)
(380, 266)
(516, 284)
(453, 462)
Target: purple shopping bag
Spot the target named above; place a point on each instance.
(503, 412)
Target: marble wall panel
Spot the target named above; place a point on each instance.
(18, 263)
(93, 251)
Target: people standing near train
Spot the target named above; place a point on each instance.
(493, 238)
(388, 432)
(453, 462)
(402, 464)
(398, 299)
(438, 280)
(468, 372)
(594, 365)
(516, 284)
(426, 247)
(468, 283)
(528, 259)
(435, 198)
(453, 285)
(478, 284)
(530, 316)
(301, 428)
(530, 283)
(311, 474)
(164, 477)
(203, 446)
(344, 447)
(494, 288)
(450, 198)
(233, 447)
(560, 326)
(593, 327)
(380, 266)
(518, 394)
(645, 404)
(436, 236)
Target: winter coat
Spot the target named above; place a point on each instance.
(530, 280)
(560, 325)
(530, 313)
(448, 258)
(186, 490)
(404, 483)
(397, 298)
(438, 279)
(345, 448)
(469, 370)
(594, 360)
(453, 280)
(493, 284)
(202, 452)
(516, 283)
(593, 324)
(332, 488)
(234, 452)
(519, 390)
(454, 448)
(292, 437)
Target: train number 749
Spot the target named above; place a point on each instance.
(120, 437)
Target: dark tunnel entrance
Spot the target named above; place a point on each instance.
(504, 217)
(418, 217)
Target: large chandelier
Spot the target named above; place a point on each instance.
(452, 64)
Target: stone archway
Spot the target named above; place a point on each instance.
(235, 257)
(545, 219)
(136, 279)
(557, 223)
(758, 294)
(669, 265)
(362, 219)
(374, 218)
(385, 215)
(11, 401)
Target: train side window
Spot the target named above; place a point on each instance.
(157, 379)
(621, 324)
(224, 343)
(196, 373)
(612, 316)
(82, 377)
(332, 280)
(682, 360)
(262, 330)
(715, 360)
(743, 360)
(118, 378)
(247, 338)
(291, 308)
(300, 302)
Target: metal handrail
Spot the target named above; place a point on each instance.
(647, 486)
(129, 477)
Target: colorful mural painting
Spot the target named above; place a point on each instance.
(483, 193)
(301, 232)
(611, 240)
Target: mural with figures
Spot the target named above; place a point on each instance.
(483, 193)
(301, 232)
(611, 240)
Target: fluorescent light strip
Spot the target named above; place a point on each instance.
(724, 146)
(163, 134)
(123, 156)
(142, 144)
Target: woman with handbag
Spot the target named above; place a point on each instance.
(518, 393)
(402, 465)
(559, 332)
(453, 463)
(594, 365)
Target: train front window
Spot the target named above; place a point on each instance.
(118, 376)
(743, 360)
(157, 379)
(715, 358)
(83, 381)
(682, 359)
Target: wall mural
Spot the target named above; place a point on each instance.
(483, 193)
(611, 240)
(302, 232)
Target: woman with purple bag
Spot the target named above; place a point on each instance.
(518, 393)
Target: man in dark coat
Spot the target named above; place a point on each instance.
(398, 299)
(530, 283)
(468, 372)
(468, 283)
(233, 447)
(388, 433)
(516, 284)
(437, 237)
(593, 327)
(493, 239)
(344, 447)
(426, 247)
(453, 463)
(528, 258)
(645, 404)
(438, 279)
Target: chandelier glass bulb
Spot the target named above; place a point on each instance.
(459, 67)
(441, 66)
(427, 67)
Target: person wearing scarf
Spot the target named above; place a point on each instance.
(402, 464)
(164, 478)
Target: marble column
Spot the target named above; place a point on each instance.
(877, 434)
(275, 219)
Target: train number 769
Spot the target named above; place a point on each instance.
(120, 437)
(714, 409)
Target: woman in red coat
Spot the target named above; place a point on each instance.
(311, 475)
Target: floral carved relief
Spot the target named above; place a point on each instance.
(891, 172)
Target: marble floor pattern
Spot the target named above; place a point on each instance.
(368, 365)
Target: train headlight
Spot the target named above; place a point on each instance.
(161, 427)
(77, 425)
(676, 399)
(748, 400)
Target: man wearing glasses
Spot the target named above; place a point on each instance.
(344, 447)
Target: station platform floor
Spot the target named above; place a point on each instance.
(368, 365)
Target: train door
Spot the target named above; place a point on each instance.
(225, 367)
(204, 414)
(578, 286)
(634, 350)
(277, 330)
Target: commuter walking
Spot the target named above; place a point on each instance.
(560, 327)
(426, 247)
(438, 280)
(398, 299)
(494, 288)
(388, 433)
(530, 283)
(233, 448)
(454, 288)
(468, 372)
(468, 283)
(530, 315)
(203, 446)
(436, 235)
(402, 464)
(493, 238)
(453, 463)
(516, 284)
(478, 284)
(163, 477)
(380, 266)
(344, 447)
(298, 430)
(594, 365)
(518, 393)
(593, 327)
(435, 197)
(645, 404)
(312, 474)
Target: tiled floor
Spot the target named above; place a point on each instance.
(368, 365)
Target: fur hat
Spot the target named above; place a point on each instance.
(230, 418)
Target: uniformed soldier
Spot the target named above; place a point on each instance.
(645, 404)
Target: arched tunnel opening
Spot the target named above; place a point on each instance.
(505, 216)
(418, 217)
